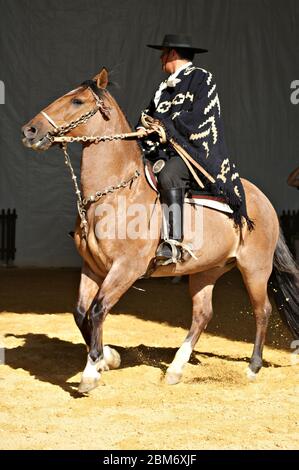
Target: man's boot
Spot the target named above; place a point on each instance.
(172, 201)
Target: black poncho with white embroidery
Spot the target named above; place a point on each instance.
(190, 113)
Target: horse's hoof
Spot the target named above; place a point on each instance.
(173, 378)
(250, 374)
(87, 385)
(111, 357)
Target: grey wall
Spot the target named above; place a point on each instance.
(49, 47)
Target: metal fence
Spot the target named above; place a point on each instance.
(8, 235)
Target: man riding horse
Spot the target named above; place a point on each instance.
(189, 112)
(187, 107)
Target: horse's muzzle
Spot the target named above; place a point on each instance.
(33, 138)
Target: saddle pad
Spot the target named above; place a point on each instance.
(197, 198)
(209, 201)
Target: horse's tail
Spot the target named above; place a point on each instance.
(284, 281)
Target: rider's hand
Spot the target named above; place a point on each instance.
(141, 132)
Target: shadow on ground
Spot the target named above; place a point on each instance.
(55, 291)
(55, 361)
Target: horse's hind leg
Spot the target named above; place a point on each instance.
(256, 283)
(201, 290)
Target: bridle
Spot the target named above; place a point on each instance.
(58, 135)
(60, 131)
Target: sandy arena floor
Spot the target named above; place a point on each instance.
(215, 407)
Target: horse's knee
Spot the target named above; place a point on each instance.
(201, 318)
(268, 310)
(79, 314)
(97, 313)
(262, 314)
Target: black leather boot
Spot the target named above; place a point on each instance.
(172, 201)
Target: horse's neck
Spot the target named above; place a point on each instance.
(109, 163)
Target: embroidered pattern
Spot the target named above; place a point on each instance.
(206, 147)
(189, 70)
(179, 99)
(189, 96)
(212, 90)
(225, 168)
(164, 107)
(200, 135)
(235, 176)
(237, 192)
(212, 127)
(214, 102)
(175, 115)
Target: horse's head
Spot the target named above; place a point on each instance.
(67, 115)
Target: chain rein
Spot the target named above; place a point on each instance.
(57, 135)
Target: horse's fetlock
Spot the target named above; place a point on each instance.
(256, 364)
(94, 355)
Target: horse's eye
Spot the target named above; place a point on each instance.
(77, 101)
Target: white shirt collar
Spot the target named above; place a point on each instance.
(175, 74)
(170, 81)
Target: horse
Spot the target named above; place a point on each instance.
(113, 169)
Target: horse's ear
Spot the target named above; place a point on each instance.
(102, 78)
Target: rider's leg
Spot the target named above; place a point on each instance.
(173, 180)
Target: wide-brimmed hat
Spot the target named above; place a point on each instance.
(174, 41)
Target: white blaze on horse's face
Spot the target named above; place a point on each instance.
(61, 112)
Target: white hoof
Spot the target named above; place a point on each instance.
(172, 377)
(250, 374)
(111, 357)
(88, 383)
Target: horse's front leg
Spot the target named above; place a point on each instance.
(89, 287)
(116, 283)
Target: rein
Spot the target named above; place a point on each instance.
(83, 203)
(58, 136)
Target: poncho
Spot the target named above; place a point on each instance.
(190, 113)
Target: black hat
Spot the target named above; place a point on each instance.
(174, 41)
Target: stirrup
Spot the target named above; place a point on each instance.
(177, 249)
(176, 254)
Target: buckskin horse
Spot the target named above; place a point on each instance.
(111, 265)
